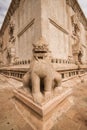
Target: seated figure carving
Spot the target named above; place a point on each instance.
(41, 79)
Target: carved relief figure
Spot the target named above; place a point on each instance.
(76, 48)
(11, 45)
(42, 77)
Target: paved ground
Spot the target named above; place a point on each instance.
(12, 119)
(76, 117)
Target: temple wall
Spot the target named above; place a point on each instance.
(50, 19)
(54, 27)
(29, 30)
(58, 43)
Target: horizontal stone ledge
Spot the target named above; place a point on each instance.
(59, 67)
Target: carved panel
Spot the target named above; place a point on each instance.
(75, 6)
(75, 24)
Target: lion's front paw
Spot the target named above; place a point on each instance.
(38, 97)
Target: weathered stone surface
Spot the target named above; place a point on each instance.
(63, 25)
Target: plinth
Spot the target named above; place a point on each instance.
(43, 116)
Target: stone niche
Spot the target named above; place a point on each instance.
(42, 90)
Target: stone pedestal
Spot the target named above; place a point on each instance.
(43, 116)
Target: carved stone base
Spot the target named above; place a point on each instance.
(43, 116)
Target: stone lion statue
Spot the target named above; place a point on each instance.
(41, 78)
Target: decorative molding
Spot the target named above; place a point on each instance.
(61, 28)
(76, 7)
(13, 6)
(22, 30)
